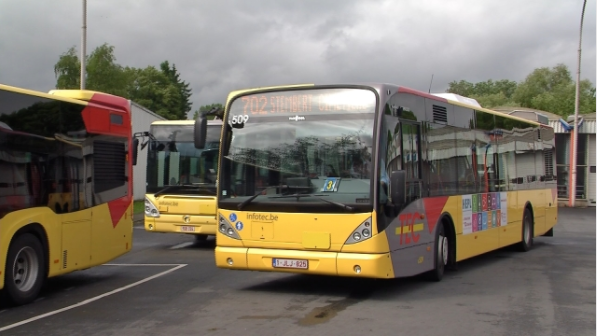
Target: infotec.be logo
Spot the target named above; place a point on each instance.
(262, 217)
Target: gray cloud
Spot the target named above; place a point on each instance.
(227, 45)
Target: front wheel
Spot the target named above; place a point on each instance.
(24, 274)
(441, 254)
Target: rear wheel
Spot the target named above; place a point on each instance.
(24, 274)
(441, 254)
(527, 231)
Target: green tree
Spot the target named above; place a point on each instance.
(183, 87)
(487, 93)
(103, 73)
(160, 90)
(151, 88)
(68, 70)
(463, 88)
(551, 90)
(554, 90)
(206, 108)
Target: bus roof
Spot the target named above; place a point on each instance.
(85, 95)
(41, 94)
(383, 87)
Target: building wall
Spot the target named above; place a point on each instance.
(142, 119)
(586, 176)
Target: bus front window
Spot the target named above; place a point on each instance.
(173, 162)
(325, 154)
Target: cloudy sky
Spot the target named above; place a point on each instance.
(223, 45)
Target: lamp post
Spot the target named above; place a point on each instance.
(83, 44)
(572, 197)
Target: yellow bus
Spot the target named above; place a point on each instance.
(65, 185)
(375, 180)
(181, 179)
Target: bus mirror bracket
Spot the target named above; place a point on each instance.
(398, 187)
(200, 131)
(135, 150)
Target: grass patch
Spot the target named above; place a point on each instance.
(138, 207)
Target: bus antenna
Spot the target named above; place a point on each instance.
(430, 84)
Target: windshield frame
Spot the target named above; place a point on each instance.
(181, 188)
(309, 204)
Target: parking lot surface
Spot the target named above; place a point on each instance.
(167, 285)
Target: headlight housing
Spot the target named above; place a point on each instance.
(225, 228)
(150, 209)
(361, 233)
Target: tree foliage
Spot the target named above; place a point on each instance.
(68, 70)
(206, 108)
(183, 88)
(552, 90)
(160, 90)
(103, 73)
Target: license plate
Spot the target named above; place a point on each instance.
(187, 228)
(290, 263)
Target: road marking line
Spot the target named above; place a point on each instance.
(181, 245)
(82, 303)
(160, 265)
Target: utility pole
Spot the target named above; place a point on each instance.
(572, 197)
(83, 44)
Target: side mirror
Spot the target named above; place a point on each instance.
(200, 131)
(398, 187)
(135, 146)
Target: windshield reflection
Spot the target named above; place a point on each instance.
(330, 155)
(173, 160)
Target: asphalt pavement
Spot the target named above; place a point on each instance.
(169, 285)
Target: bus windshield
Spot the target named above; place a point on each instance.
(300, 147)
(175, 166)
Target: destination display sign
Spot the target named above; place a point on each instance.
(305, 102)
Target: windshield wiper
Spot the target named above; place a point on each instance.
(319, 197)
(248, 200)
(164, 190)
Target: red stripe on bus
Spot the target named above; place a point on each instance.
(433, 209)
(118, 208)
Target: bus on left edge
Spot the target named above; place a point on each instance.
(65, 185)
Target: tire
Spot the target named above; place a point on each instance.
(527, 232)
(25, 267)
(199, 238)
(441, 254)
(548, 233)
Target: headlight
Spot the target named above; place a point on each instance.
(226, 228)
(361, 233)
(150, 209)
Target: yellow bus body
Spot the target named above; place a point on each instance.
(319, 238)
(315, 243)
(73, 236)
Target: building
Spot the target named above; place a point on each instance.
(142, 119)
(585, 162)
